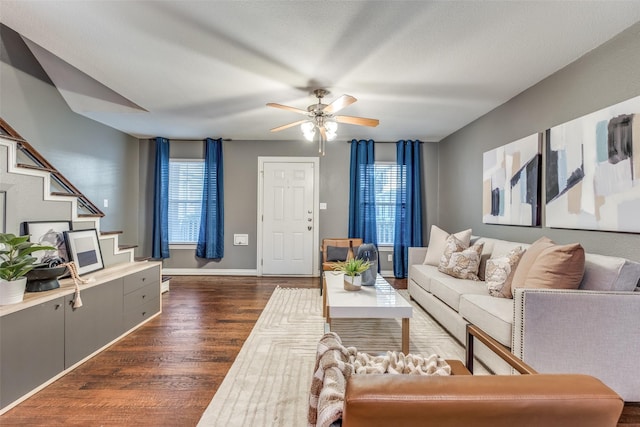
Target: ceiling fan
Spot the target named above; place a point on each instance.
(321, 117)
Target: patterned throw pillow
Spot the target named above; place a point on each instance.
(460, 261)
(500, 271)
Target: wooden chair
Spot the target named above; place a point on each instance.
(340, 242)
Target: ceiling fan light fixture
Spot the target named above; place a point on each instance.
(331, 128)
(308, 130)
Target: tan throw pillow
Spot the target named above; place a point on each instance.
(459, 261)
(557, 267)
(528, 259)
(437, 242)
(500, 271)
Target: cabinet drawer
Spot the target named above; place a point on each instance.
(141, 296)
(141, 278)
(140, 314)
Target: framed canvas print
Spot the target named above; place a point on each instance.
(592, 171)
(49, 233)
(84, 250)
(511, 183)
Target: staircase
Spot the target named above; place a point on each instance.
(34, 187)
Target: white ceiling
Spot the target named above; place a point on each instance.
(190, 69)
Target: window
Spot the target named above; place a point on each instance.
(185, 200)
(388, 178)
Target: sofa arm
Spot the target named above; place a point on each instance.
(576, 331)
(416, 256)
(465, 400)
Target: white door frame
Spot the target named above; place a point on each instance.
(316, 203)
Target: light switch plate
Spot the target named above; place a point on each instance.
(240, 239)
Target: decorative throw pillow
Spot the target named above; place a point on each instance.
(437, 242)
(499, 273)
(557, 267)
(528, 259)
(337, 253)
(451, 246)
(460, 261)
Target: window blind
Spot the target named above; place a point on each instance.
(185, 200)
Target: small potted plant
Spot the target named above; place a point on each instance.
(352, 269)
(16, 261)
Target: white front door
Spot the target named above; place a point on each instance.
(288, 218)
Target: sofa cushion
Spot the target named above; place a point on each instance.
(607, 273)
(492, 315)
(487, 248)
(422, 274)
(437, 242)
(449, 289)
(557, 267)
(460, 261)
(500, 272)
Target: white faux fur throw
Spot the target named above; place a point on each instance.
(335, 363)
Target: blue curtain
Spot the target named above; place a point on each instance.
(408, 224)
(160, 239)
(362, 198)
(211, 237)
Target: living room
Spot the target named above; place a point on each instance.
(109, 164)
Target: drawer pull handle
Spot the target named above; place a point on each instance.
(144, 278)
(144, 313)
(144, 296)
(58, 306)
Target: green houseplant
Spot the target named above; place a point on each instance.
(352, 269)
(16, 260)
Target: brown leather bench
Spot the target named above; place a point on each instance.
(529, 399)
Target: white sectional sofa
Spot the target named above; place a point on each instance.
(593, 330)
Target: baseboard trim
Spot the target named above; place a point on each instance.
(209, 272)
(229, 272)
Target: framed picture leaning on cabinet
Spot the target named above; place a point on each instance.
(84, 249)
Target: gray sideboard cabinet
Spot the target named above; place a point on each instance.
(31, 348)
(44, 337)
(97, 322)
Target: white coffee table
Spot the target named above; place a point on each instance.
(380, 301)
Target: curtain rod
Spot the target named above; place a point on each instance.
(189, 140)
(384, 142)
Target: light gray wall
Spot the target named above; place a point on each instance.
(607, 75)
(241, 193)
(100, 161)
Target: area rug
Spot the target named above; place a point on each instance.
(269, 382)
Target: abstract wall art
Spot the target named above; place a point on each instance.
(592, 171)
(511, 183)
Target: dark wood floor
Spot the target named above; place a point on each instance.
(165, 373)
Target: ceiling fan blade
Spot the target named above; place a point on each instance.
(339, 104)
(286, 107)
(279, 128)
(360, 121)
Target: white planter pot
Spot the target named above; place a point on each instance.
(12, 292)
(352, 283)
